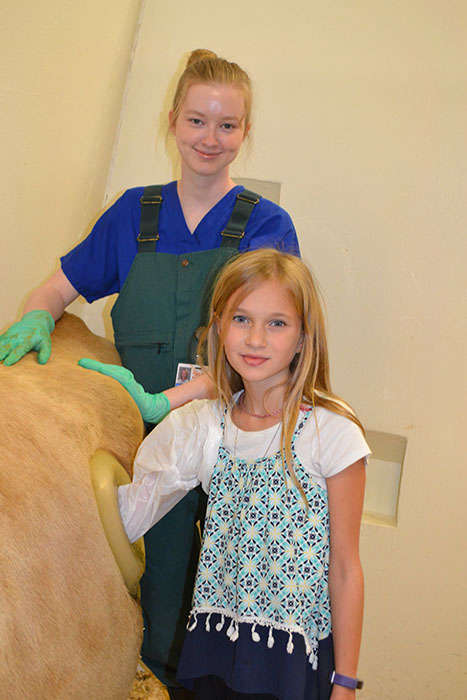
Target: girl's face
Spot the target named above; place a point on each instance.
(210, 128)
(263, 334)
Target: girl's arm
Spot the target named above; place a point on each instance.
(166, 467)
(174, 458)
(153, 407)
(345, 497)
(201, 387)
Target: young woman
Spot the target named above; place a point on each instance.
(160, 248)
(278, 602)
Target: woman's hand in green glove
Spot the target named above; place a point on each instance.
(31, 333)
(153, 407)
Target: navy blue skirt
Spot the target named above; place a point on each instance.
(247, 666)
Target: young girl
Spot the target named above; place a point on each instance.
(158, 248)
(278, 599)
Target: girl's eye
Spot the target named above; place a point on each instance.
(240, 319)
(277, 323)
(228, 127)
(195, 121)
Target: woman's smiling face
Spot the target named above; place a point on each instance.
(210, 128)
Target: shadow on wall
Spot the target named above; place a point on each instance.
(68, 627)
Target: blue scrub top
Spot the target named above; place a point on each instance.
(100, 264)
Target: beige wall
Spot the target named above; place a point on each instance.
(361, 113)
(63, 70)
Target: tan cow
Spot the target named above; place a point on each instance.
(69, 630)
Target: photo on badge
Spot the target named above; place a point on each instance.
(185, 372)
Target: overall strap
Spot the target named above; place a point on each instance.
(148, 228)
(235, 229)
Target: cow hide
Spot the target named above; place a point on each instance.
(69, 630)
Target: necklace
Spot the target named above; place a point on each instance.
(241, 404)
(267, 448)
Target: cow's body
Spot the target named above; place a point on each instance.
(69, 630)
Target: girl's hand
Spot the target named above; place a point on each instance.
(153, 407)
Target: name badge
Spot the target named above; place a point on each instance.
(186, 372)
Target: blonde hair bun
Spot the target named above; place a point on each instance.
(200, 55)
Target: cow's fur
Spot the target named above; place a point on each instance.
(68, 628)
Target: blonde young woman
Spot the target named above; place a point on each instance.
(278, 601)
(159, 248)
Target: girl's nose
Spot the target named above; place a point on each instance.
(256, 336)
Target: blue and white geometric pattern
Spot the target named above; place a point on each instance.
(265, 556)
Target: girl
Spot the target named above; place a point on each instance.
(277, 607)
(159, 249)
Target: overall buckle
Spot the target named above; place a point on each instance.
(151, 199)
(146, 238)
(250, 200)
(233, 235)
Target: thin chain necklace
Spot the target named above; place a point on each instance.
(267, 448)
(241, 405)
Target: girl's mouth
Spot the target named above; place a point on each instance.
(254, 360)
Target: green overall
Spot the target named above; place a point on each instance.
(162, 302)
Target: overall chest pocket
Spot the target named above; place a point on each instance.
(149, 355)
(160, 342)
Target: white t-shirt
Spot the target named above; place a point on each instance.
(181, 453)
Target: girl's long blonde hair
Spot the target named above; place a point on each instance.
(308, 382)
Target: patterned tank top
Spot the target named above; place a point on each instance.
(265, 554)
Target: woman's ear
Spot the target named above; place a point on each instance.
(171, 122)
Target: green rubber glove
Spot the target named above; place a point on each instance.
(153, 407)
(31, 333)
